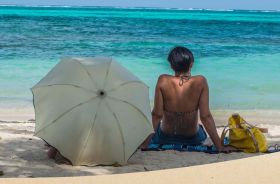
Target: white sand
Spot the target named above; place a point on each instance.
(23, 155)
(258, 170)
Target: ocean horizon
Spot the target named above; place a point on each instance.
(137, 7)
(236, 50)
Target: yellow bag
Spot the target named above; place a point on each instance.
(244, 136)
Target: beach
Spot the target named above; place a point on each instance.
(23, 155)
(237, 51)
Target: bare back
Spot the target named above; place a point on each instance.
(179, 104)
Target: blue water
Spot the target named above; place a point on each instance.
(238, 51)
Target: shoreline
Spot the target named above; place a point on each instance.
(256, 116)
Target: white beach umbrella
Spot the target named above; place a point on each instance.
(92, 110)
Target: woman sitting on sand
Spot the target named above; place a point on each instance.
(177, 101)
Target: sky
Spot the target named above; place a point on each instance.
(184, 4)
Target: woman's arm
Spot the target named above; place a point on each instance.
(206, 116)
(157, 112)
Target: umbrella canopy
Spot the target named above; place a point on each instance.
(92, 110)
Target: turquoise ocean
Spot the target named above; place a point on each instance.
(238, 51)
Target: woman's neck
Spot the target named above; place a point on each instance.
(177, 74)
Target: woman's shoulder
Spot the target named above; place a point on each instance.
(200, 78)
(163, 77)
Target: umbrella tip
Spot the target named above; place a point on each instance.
(101, 93)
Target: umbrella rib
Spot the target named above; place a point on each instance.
(107, 74)
(126, 83)
(60, 116)
(93, 82)
(131, 106)
(119, 126)
(93, 123)
(72, 85)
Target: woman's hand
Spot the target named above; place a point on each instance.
(145, 144)
(227, 149)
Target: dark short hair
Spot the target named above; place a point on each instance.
(180, 59)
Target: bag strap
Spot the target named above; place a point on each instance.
(224, 133)
(263, 130)
(254, 140)
(248, 128)
(226, 129)
(248, 124)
